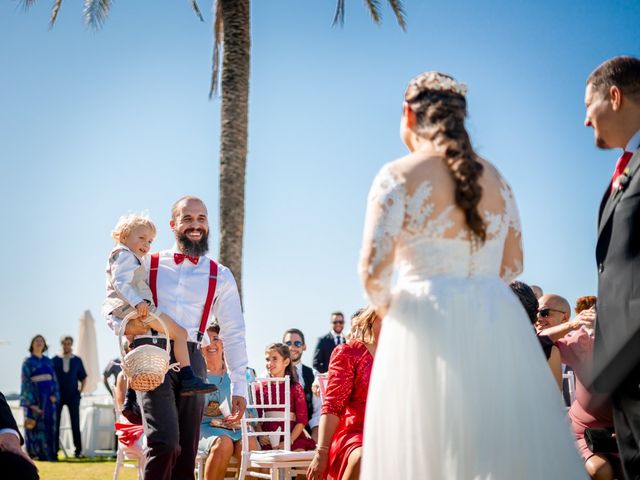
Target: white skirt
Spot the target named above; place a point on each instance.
(460, 390)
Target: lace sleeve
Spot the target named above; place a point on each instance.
(383, 222)
(512, 256)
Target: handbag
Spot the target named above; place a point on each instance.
(600, 440)
(30, 423)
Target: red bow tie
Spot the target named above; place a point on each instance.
(179, 258)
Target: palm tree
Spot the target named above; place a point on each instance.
(232, 28)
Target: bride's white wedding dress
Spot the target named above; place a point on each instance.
(460, 388)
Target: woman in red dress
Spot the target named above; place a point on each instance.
(342, 421)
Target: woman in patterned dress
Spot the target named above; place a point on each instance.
(38, 396)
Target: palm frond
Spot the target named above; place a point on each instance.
(398, 10)
(196, 10)
(96, 12)
(27, 4)
(54, 12)
(374, 10)
(339, 16)
(218, 29)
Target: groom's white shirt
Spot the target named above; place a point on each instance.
(634, 143)
(182, 291)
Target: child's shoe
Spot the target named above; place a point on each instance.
(130, 408)
(192, 385)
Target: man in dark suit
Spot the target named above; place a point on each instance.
(612, 100)
(71, 379)
(326, 344)
(14, 462)
(294, 339)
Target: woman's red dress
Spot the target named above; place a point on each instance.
(346, 397)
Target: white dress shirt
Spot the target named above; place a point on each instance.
(10, 430)
(182, 291)
(336, 336)
(314, 421)
(634, 143)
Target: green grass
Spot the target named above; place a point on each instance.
(83, 469)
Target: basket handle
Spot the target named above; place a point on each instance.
(133, 315)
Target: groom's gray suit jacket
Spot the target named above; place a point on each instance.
(617, 339)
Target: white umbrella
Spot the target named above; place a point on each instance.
(87, 350)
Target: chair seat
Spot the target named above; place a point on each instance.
(271, 456)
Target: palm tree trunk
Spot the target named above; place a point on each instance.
(233, 134)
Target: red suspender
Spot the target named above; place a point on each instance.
(213, 281)
(153, 276)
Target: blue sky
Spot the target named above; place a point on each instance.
(95, 124)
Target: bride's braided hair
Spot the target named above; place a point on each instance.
(440, 108)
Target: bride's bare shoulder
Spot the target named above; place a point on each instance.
(418, 165)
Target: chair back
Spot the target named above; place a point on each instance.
(323, 379)
(271, 405)
(570, 378)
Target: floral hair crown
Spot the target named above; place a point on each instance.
(434, 81)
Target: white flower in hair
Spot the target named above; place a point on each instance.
(438, 81)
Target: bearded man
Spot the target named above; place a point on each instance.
(192, 289)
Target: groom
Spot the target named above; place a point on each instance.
(612, 100)
(183, 279)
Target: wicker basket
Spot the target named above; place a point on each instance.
(146, 365)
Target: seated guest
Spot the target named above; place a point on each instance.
(278, 364)
(15, 463)
(342, 421)
(553, 310)
(529, 302)
(294, 339)
(590, 409)
(219, 440)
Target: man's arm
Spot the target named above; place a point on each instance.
(318, 362)
(82, 374)
(228, 311)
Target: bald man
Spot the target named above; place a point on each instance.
(552, 311)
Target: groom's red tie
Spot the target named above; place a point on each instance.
(622, 163)
(179, 258)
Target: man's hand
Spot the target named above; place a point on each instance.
(585, 318)
(11, 443)
(238, 406)
(53, 399)
(136, 327)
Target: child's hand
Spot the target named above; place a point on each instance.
(143, 309)
(135, 327)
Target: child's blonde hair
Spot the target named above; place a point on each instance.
(128, 222)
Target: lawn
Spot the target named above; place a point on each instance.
(83, 469)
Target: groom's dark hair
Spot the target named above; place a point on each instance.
(623, 72)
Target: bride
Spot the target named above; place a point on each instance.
(474, 399)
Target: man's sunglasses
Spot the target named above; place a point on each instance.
(545, 312)
(339, 322)
(296, 344)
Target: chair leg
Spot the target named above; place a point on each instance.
(243, 467)
(116, 472)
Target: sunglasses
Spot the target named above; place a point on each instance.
(339, 322)
(296, 344)
(545, 312)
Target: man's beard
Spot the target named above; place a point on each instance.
(191, 248)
